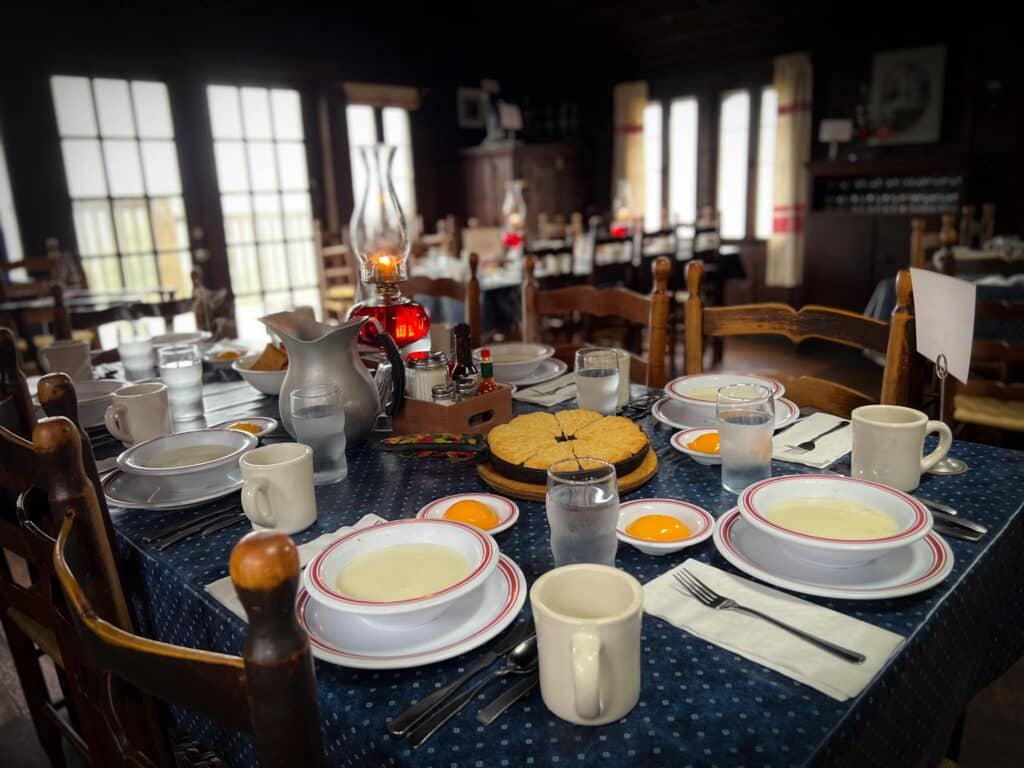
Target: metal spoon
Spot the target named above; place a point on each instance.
(523, 658)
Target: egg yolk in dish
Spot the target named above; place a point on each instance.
(706, 443)
(658, 528)
(472, 512)
(245, 426)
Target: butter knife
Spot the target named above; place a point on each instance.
(492, 711)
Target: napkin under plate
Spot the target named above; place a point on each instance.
(827, 450)
(224, 591)
(761, 642)
(566, 390)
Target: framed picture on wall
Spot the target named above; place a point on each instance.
(906, 95)
(471, 107)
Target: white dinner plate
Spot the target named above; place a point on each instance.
(506, 509)
(124, 489)
(904, 571)
(468, 624)
(672, 412)
(550, 369)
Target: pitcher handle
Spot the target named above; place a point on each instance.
(397, 367)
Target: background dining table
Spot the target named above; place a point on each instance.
(698, 704)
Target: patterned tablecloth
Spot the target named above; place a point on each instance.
(699, 704)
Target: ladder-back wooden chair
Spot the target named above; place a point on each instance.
(922, 241)
(336, 273)
(650, 312)
(467, 292)
(268, 691)
(894, 340)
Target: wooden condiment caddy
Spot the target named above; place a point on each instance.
(477, 415)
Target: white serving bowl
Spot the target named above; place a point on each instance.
(93, 399)
(141, 459)
(267, 382)
(515, 360)
(322, 573)
(912, 517)
(681, 440)
(699, 411)
(693, 517)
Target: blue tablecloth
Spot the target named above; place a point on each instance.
(699, 704)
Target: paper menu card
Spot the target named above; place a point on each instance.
(944, 319)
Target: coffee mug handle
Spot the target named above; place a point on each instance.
(945, 443)
(586, 674)
(115, 420)
(254, 501)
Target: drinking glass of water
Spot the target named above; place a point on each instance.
(583, 508)
(597, 379)
(135, 348)
(746, 421)
(181, 369)
(318, 417)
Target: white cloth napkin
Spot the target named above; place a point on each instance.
(762, 642)
(224, 591)
(827, 450)
(530, 394)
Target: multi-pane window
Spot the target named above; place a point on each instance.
(260, 151)
(652, 166)
(11, 237)
(121, 165)
(682, 158)
(766, 162)
(733, 137)
(361, 121)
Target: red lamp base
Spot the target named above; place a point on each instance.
(402, 318)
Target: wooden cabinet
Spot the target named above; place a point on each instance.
(551, 172)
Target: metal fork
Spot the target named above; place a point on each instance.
(809, 445)
(700, 591)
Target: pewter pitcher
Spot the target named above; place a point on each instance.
(326, 354)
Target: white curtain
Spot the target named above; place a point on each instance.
(793, 80)
(628, 149)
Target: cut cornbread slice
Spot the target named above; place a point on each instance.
(548, 455)
(598, 448)
(540, 423)
(617, 430)
(575, 419)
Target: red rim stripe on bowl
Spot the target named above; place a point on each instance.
(938, 563)
(774, 387)
(486, 542)
(920, 519)
(432, 505)
(513, 594)
(705, 517)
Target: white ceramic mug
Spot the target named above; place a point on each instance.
(139, 412)
(888, 441)
(588, 640)
(278, 490)
(70, 357)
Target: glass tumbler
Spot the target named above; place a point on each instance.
(597, 379)
(318, 417)
(583, 508)
(746, 421)
(181, 369)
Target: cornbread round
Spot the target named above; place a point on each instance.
(524, 448)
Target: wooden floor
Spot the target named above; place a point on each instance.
(994, 733)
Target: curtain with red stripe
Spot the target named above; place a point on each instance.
(628, 148)
(792, 81)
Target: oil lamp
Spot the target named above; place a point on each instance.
(380, 240)
(620, 209)
(514, 210)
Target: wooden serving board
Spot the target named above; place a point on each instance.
(534, 492)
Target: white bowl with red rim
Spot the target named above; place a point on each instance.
(681, 442)
(506, 510)
(321, 576)
(698, 393)
(913, 519)
(698, 520)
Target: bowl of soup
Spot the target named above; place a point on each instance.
(515, 361)
(834, 521)
(403, 573)
(698, 393)
(187, 456)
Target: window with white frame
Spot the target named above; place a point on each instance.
(733, 141)
(8, 217)
(682, 159)
(121, 166)
(361, 121)
(260, 151)
(766, 162)
(653, 175)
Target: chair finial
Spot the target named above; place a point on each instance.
(263, 560)
(694, 274)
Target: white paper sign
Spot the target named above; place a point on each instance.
(944, 319)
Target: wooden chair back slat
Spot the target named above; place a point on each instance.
(446, 288)
(833, 325)
(588, 300)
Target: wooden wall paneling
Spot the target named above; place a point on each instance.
(838, 268)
